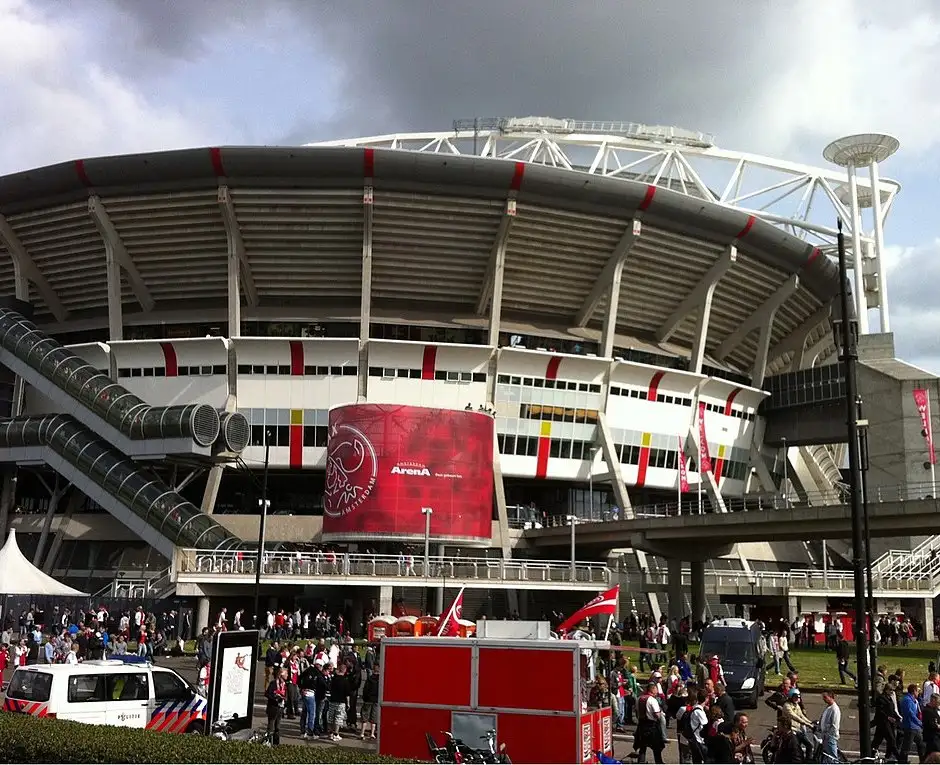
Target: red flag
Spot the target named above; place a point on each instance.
(704, 458)
(447, 622)
(605, 603)
(683, 469)
(922, 401)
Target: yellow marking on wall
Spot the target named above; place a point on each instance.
(545, 430)
(721, 451)
(647, 438)
(296, 416)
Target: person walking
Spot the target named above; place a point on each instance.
(829, 723)
(276, 695)
(842, 658)
(912, 725)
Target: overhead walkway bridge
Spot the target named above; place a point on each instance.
(103, 432)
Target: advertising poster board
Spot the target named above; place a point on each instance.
(232, 676)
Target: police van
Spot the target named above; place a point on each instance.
(109, 692)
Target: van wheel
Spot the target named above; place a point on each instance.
(197, 726)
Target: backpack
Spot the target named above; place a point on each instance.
(641, 708)
(685, 724)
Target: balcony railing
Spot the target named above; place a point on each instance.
(219, 565)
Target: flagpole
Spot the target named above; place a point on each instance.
(610, 623)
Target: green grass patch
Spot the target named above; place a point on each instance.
(24, 738)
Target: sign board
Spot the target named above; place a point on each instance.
(387, 461)
(232, 675)
(521, 630)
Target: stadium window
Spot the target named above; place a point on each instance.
(257, 369)
(414, 374)
(440, 374)
(281, 435)
(515, 380)
(148, 372)
(257, 435)
(219, 369)
(594, 388)
(479, 377)
(375, 371)
(554, 448)
(283, 369)
(502, 379)
(566, 450)
(124, 372)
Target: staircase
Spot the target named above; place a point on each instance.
(158, 588)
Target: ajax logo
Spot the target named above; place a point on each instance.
(351, 467)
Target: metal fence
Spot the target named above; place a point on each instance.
(212, 564)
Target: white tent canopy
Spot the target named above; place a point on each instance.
(20, 577)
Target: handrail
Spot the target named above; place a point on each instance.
(326, 564)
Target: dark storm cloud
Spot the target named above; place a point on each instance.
(418, 65)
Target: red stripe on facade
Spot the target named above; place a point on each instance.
(654, 386)
(551, 372)
(517, 175)
(644, 465)
(812, 256)
(80, 172)
(296, 358)
(169, 360)
(647, 198)
(719, 464)
(215, 156)
(541, 460)
(368, 163)
(428, 362)
(730, 400)
(747, 227)
(296, 446)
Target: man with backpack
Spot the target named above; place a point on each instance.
(651, 730)
(692, 722)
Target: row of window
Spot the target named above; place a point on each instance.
(439, 374)
(737, 413)
(310, 370)
(182, 371)
(313, 435)
(541, 382)
(557, 414)
(668, 459)
(643, 395)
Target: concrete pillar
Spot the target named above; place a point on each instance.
(7, 499)
(523, 598)
(385, 601)
(57, 493)
(928, 619)
(512, 601)
(202, 614)
(211, 492)
(676, 601)
(793, 608)
(698, 591)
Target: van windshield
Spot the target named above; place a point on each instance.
(729, 651)
(30, 686)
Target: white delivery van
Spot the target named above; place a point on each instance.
(111, 692)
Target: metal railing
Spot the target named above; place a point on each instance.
(136, 586)
(213, 564)
(797, 579)
(835, 496)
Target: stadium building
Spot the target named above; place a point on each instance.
(424, 349)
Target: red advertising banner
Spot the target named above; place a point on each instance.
(385, 462)
(922, 401)
(705, 459)
(683, 468)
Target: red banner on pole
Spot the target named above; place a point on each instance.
(922, 401)
(704, 458)
(683, 469)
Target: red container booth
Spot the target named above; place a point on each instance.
(528, 690)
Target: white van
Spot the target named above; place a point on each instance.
(132, 695)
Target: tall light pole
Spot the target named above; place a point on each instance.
(427, 512)
(591, 482)
(573, 520)
(848, 355)
(263, 503)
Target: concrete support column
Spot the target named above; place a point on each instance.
(676, 601)
(202, 614)
(211, 492)
(385, 601)
(793, 608)
(439, 591)
(512, 601)
(47, 523)
(7, 498)
(929, 633)
(698, 591)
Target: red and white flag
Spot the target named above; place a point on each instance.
(704, 458)
(922, 401)
(447, 622)
(605, 603)
(683, 469)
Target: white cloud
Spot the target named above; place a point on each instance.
(823, 70)
(58, 103)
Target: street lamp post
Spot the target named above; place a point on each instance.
(573, 520)
(591, 482)
(848, 355)
(263, 503)
(427, 512)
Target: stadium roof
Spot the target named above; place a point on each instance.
(296, 217)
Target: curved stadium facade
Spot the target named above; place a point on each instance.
(600, 323)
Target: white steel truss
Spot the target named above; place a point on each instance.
(803, 200)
